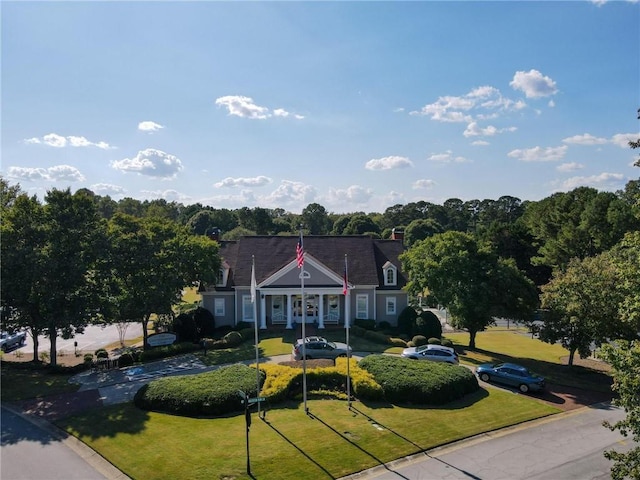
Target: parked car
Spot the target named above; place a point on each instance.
(9, 341)
(319, 347)
(510, 374)
(435, 353)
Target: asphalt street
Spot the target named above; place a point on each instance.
(565, 446)
(30, 452)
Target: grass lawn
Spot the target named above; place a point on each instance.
(23, 381)
(149, 446)
(543, 358)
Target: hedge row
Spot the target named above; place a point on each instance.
(419, 382)
(206, 394)
(284, 382)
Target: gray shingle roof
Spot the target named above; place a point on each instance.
(365, 255)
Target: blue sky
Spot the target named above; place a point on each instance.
(356, 106)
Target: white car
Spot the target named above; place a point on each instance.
(435, 353)
(9, 341)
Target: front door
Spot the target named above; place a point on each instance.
(311, 313)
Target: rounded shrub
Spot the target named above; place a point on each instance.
(233, 339)
(406, 320)
(434, 341)
(447, 343)
(419, 340)
(101, 353)
(428, 324)
(207, 394)
(88, 357)
(384, 326)
(426, 383)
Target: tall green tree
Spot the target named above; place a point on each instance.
(583, 306)
(50, 254)
(624, 358)
(151, 261)
(315, 219)
(577, 224)
(470, 280)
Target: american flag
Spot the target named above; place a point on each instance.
(300, 252)
(345, 284)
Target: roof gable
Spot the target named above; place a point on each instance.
(365, 257)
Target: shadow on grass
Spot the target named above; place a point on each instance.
(420, 448)
(345, 438)
(112, 420)
(574, 376)
(307, 456)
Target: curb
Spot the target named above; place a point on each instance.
(373, 472)
(93, 458)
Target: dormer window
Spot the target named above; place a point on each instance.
(390, 274)
(223, 275)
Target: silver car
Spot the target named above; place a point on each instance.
(319, 347)
(435, 353)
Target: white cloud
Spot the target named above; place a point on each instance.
(290, 193)
(150, 162)
(569, 167)
(388, 163)
(539, 154)
(245, 107)
(423, 183)
(447, 157)
(585, 139)
(58, 173)
(281, 112)
(107, 189)
(258, 181)
(354, 195)
(168, 195)
(484, 102)
(533, 84)
(622, 139)
(58, 141)
(603, 181)
(149, 126)
(480, 143)
(473, 130)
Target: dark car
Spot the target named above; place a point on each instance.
(319, 347)
(510, 374)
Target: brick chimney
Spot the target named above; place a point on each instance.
(214, 233)
(397, 234)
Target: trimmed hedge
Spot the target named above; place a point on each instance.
(208, 394)
(168, 351)
(419, 382)
(283, 382)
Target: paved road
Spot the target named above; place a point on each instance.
(93, 338)
(31, 453)
(567, 446)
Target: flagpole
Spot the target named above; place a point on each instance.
(346, 300)
(303, 303)
(255, 321)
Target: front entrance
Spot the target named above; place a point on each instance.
(311, 314)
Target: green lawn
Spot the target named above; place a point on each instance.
(149, 446)
(543, 358)
(21, 381)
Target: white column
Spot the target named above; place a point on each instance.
(289, 311)
(263, 312)
(321, 311)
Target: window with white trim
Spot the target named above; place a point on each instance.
(220, 280)
(391, 305)
(247, 309)
(362, 307)
(218, 308)
(390, 274)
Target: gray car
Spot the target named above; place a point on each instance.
(319, 347)
(435, 353)
(510, 374)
